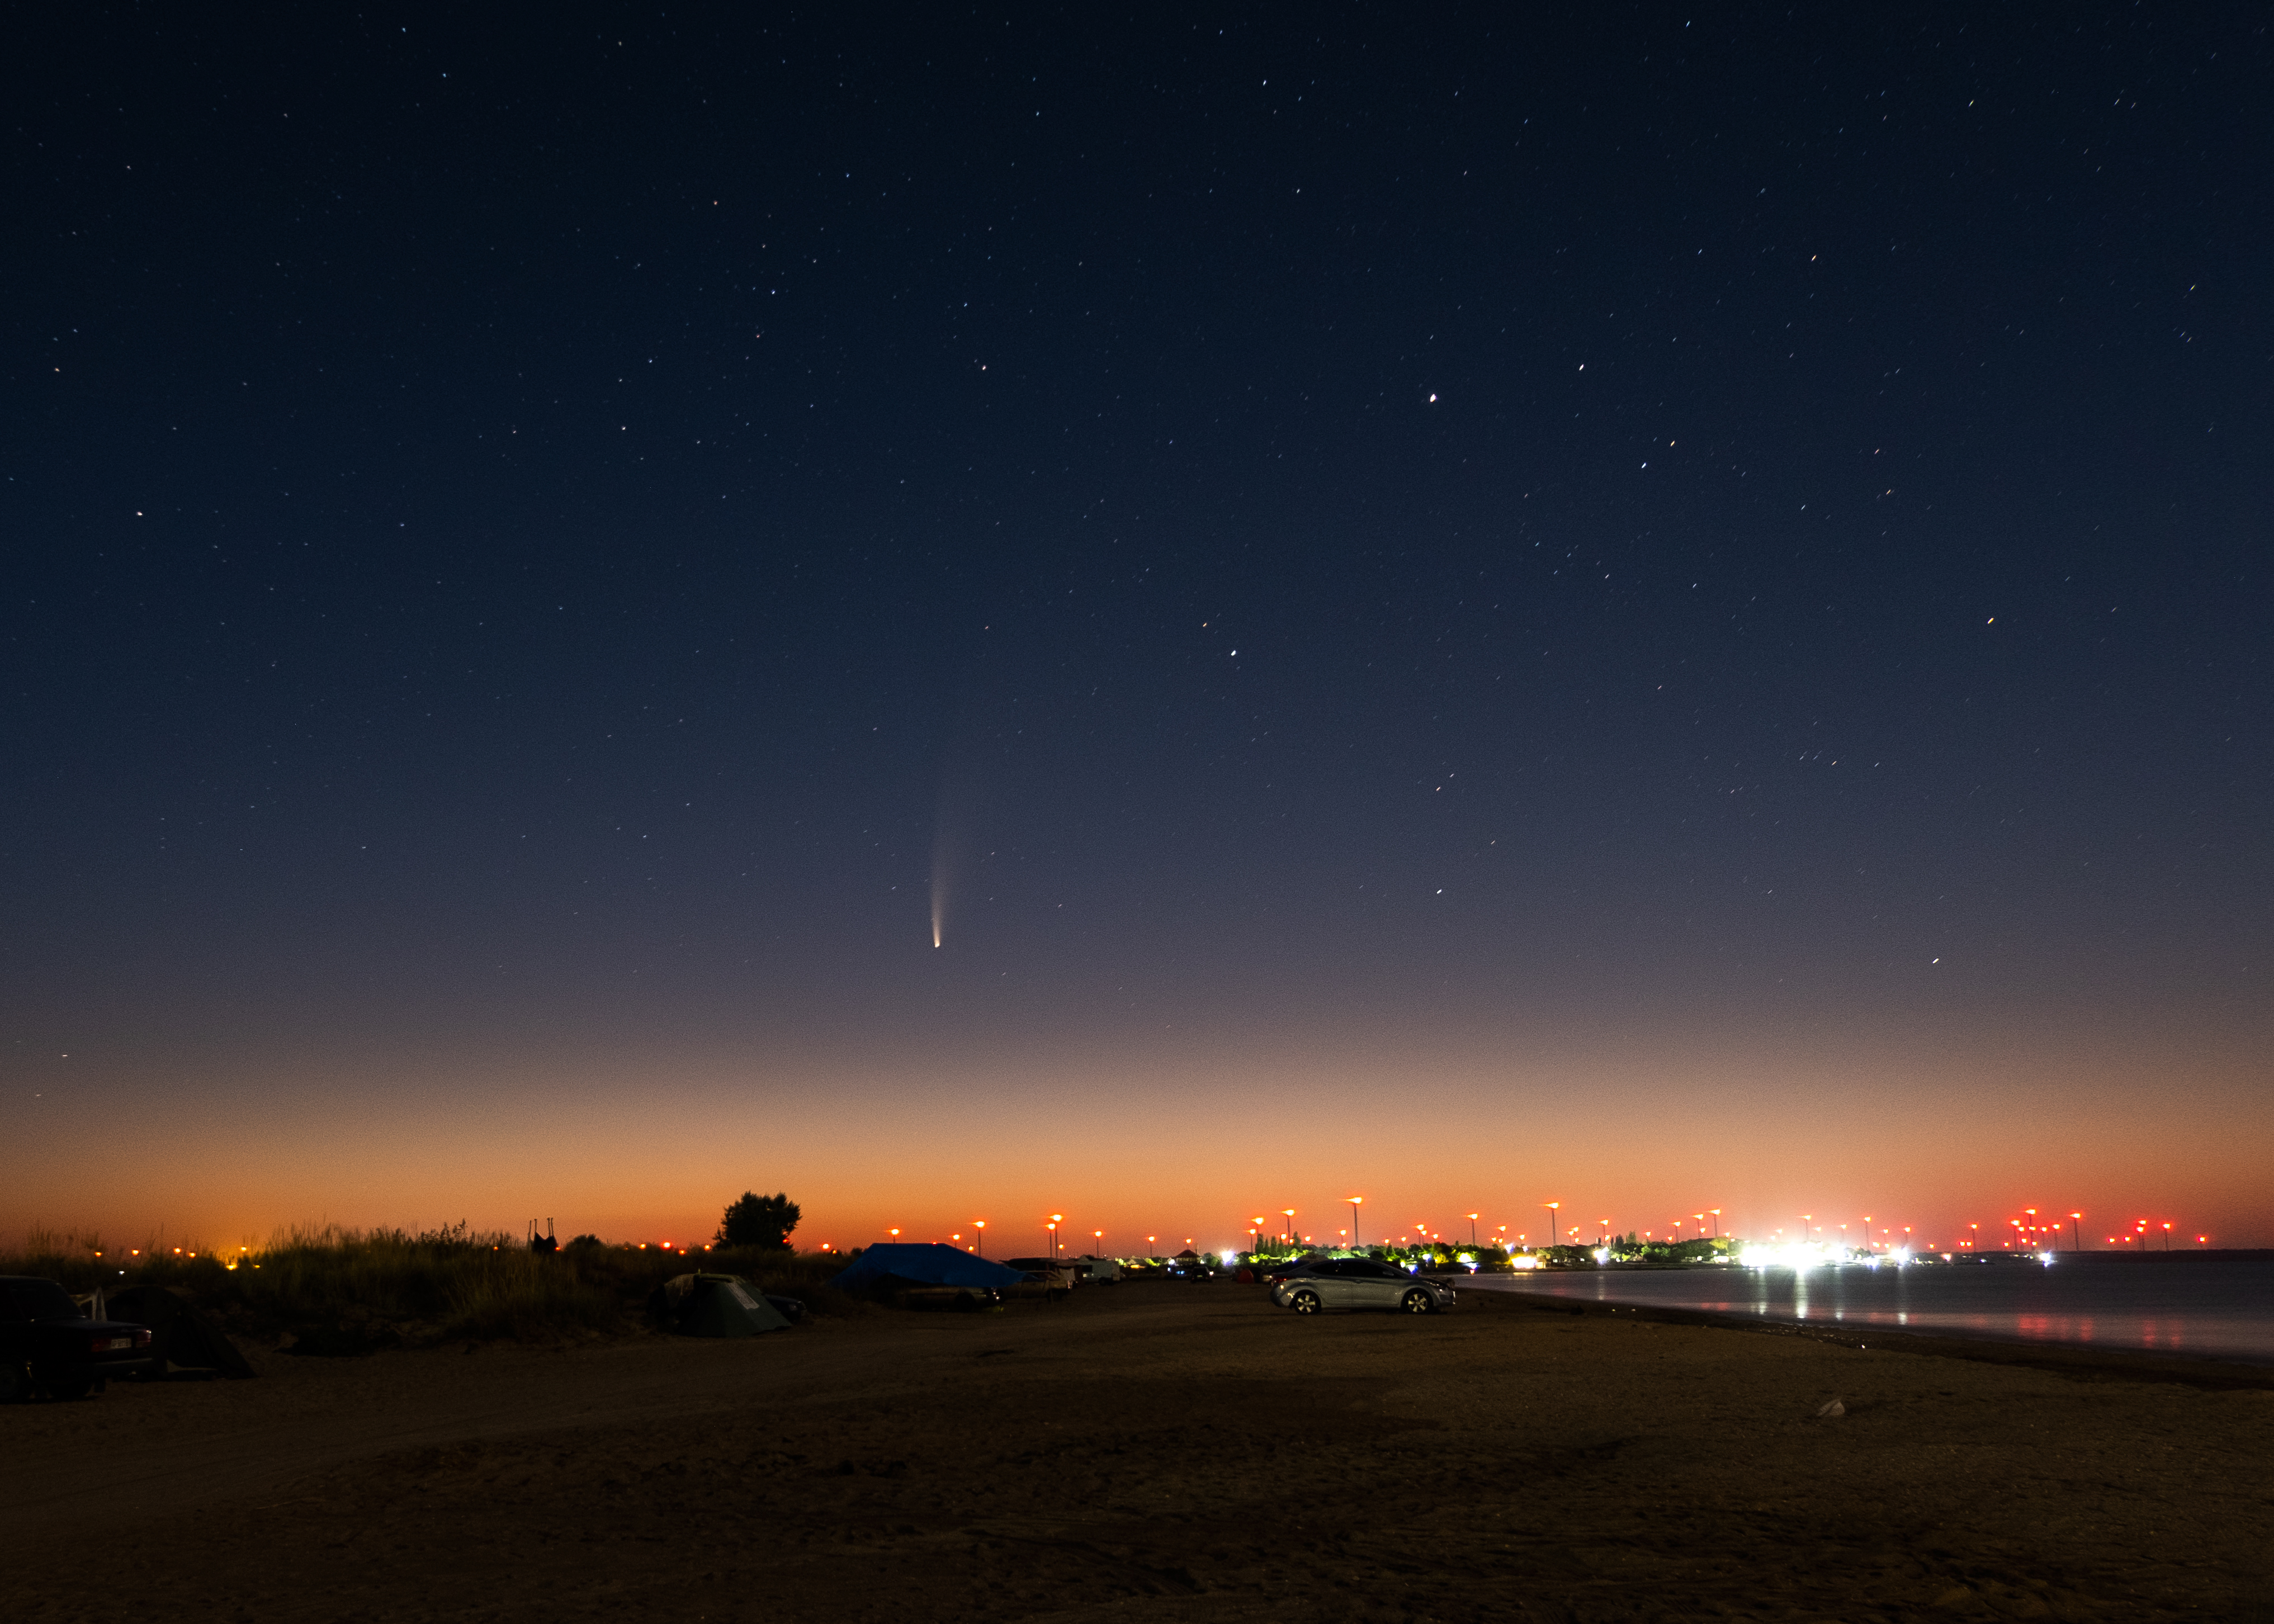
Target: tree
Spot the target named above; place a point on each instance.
(757, 1220)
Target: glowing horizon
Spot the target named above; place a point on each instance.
(1192, 1135)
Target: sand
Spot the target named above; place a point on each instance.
(1151, 1452)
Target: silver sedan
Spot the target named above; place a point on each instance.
(1361, 1282)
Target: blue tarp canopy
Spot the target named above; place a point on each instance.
(930, 1264)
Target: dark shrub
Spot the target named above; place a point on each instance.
(766, 1222)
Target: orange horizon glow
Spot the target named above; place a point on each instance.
(633, 1145)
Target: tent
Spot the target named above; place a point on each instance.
(179, 1335)
(714, 1306)
(918, 1264)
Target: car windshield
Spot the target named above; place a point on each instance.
(39, 1299)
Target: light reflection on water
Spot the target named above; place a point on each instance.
(2213, 1309)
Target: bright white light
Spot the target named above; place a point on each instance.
(1792, 1255)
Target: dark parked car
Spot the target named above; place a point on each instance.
(46, 1343)
(1361, 1282)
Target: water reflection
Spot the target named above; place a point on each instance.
(2220, 1309)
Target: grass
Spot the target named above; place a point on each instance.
(357, 1288)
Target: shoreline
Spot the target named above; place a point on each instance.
(2209, 1374)
(2060, 1254)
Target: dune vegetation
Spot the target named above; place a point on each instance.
(332, 1289)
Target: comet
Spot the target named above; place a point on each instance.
(956, 816)
(943, 856)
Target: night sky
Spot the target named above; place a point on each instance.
(1657, 609)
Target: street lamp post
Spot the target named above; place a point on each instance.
(1353, 1200)
(1551, 1206)
(979, 1225)
(1056, 1219)
(1472, 1230)
(2075, 1235)
(1288, 1213)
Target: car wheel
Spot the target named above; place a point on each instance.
(15, 1382)
(1418, 1302)
(1304, 1303)
(78, 1387)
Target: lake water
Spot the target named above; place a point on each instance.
(2205, 1308)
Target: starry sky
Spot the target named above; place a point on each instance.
(1644, 608)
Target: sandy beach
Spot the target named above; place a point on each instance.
(1155, 1451)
